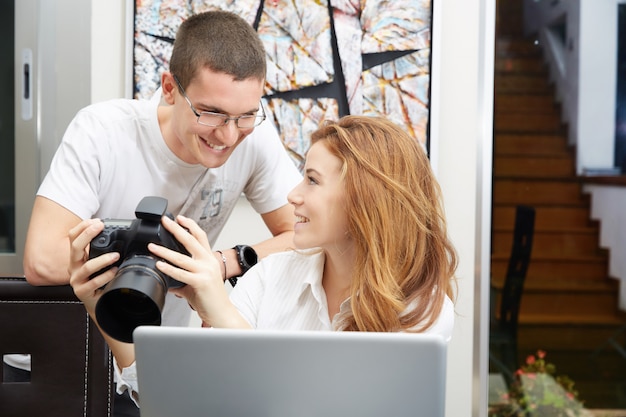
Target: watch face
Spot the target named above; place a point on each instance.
(249, 257)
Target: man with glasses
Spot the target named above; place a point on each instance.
(201, 143)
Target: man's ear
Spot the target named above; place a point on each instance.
(168, 85)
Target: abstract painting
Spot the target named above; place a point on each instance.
(326, 58)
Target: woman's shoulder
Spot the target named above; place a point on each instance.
(286, 270)
(291, 263)
(445, 322)
(295, 258)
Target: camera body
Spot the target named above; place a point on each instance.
(135, 296)
(130, 237)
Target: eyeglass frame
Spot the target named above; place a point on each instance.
(225, 117)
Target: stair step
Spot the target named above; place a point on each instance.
(526, 65)
(513, 83)
(599, 320)
(571, 286)
(521, 65)
(546, 218)
(539, 123)
(563, 298)
(525, 103)
(554, 282)
(518, 47)
(552, 333)
(569, 303)
(556, 268)
(553, 243)
(533, 166)
(509, 190)
(530, 144)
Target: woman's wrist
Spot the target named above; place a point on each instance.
(223, 259)
(230, 264)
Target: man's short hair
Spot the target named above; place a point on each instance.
(220, 41)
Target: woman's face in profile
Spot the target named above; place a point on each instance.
(319, 202)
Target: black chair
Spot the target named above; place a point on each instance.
(503, 327)
(71, 364)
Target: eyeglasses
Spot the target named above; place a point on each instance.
(209, 118)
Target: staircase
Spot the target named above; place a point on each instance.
(569, 301)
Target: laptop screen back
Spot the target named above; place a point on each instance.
(223, 373)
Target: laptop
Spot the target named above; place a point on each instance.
(185, 372)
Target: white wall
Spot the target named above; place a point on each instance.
(584, 72)
(597, 84)
(461, 131)
(111, 47)
(64, 88)
(607, 206)
(462, 120)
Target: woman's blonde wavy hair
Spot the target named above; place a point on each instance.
(405, 263)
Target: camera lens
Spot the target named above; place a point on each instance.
(135, 297)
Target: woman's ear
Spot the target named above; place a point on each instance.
(168, 85)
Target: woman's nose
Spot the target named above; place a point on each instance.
(294, 197)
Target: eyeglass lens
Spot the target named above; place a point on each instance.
(216, 119)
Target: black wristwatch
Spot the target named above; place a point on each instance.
(247, 258)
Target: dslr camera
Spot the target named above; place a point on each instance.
(135, 296)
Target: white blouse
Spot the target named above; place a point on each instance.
(284, 291)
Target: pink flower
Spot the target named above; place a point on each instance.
(541, 354)
(530, 360)
(531, 375)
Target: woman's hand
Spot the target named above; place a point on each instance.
(81, 267)
(200, 270)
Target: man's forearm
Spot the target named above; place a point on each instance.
(47, 270)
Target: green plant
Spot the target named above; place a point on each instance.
(538, 392)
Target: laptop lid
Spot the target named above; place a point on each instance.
(257, 373)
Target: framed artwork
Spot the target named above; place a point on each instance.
(326, 58)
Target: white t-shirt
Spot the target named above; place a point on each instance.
(113, 154)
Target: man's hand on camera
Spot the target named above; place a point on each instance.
(88, 289)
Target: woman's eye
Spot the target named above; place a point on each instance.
(312, 181)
